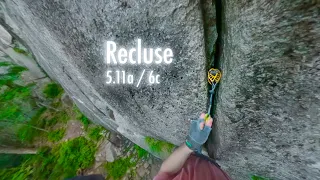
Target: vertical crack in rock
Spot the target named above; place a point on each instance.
(266, 103)
(212, 12)
(214, 136)
(210, 31)
(219, 24)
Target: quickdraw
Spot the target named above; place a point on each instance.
(214, 76)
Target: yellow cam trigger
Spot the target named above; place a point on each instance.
(214, 76)
(206, 117)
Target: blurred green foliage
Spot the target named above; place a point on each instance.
(61, 161)
(14, 98)
(26, 133)
(85, 121)
(75, 154)
(96, 133)
(19, 48)
(56, 135)
(20, 51)
(13, 73)
(141, 153)
(5, 64)
(158, 146)
(12, 160)
(119, 167)
(17, 104)
(35, 121)
(52, 90)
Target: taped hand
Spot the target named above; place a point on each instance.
(199, 132)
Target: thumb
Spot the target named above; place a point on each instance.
(209, 122)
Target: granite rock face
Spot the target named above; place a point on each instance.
(5, 38)
(268, 102)
(67, 38)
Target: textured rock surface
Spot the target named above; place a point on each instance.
(5, 38)
(268, 102)
(67, 40)
(25, 61)
(268, 107)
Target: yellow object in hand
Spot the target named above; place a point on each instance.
(206, 117)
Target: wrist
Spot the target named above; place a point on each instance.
(193, 145)
(187, 149)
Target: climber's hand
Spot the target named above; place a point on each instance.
(198, 133)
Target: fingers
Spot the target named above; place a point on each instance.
(201, 125)
(202, 115)
(209, 122)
